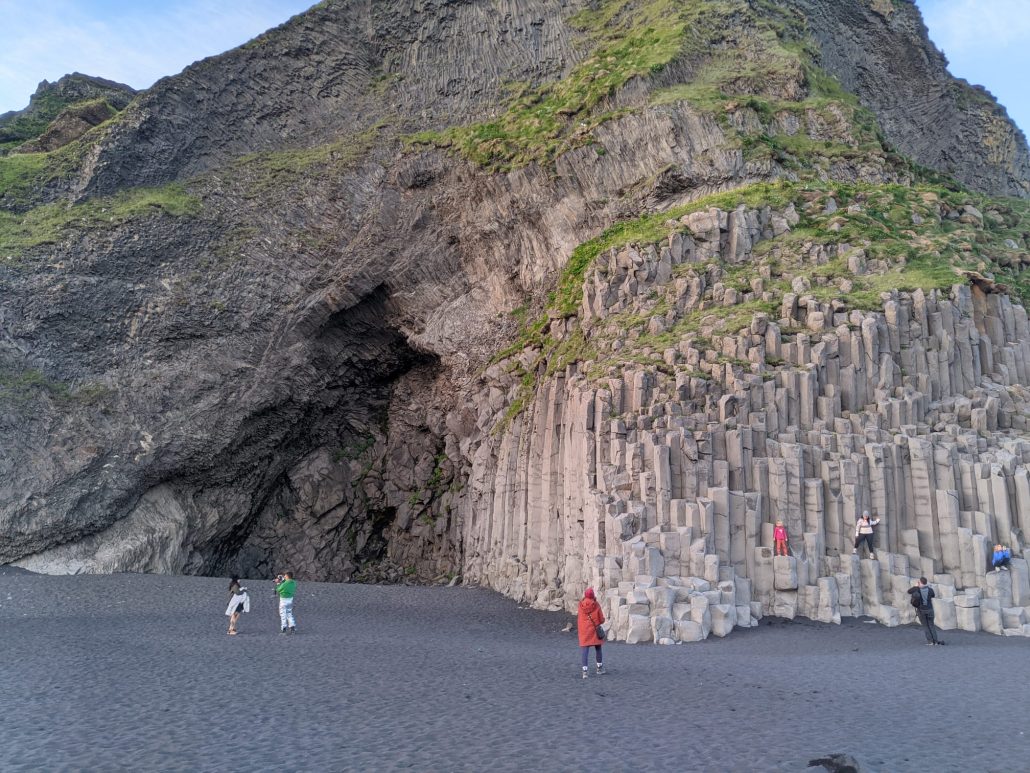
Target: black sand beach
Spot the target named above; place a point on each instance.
(135, 672)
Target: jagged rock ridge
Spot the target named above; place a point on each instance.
(279, 359)
(19, 128)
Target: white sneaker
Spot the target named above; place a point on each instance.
(600, 670)
(584, 673)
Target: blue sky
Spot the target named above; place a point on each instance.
(139, 41)
(130, 41)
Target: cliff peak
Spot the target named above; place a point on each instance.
(51, 99)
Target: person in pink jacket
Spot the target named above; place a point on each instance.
(780, 537)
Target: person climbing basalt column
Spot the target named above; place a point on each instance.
(589, 619)
(864, 533)
(1001, 558)
(780, 538)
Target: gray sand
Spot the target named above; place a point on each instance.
(135, 672)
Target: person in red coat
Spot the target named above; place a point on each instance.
(589, 618)
(780, 536)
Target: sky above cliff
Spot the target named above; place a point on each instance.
(986, 41)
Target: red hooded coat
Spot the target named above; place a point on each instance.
(589, 608)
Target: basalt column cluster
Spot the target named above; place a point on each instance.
(658, 481)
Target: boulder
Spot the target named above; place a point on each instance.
(724, 618)
(639, 629)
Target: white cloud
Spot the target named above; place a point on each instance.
(134, 43)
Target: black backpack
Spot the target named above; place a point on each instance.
(916, 598)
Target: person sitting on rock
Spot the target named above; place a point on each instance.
(588, 621)
(864, 533)
(780, 537)
(1002, 558)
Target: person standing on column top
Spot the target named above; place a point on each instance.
(864, 533)
(780, 538)
(922, 599)
(285, 589)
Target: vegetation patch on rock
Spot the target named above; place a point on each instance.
(50, 223)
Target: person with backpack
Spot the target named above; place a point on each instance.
(921, 596)
(591, 633)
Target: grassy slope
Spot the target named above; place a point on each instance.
(51, 222)
(735, 56)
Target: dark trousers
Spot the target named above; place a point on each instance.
(586, 654)
(926, 618)
(1002, 562)
(868, 540)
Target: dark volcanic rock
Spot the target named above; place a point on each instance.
(335, 70)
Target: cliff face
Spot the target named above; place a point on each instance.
(340, 300)
(880, 51)
(333, 72)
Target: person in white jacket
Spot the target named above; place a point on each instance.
(239, 602)
(864, 533)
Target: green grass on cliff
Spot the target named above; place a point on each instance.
(627, 40)
(24, 175)
(50, 223)
(19, 386)
(721, 54)
(45, 107)
(264, 172)
(899, 226)
(650, 229)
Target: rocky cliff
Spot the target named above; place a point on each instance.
(540, 294)
(91, 100)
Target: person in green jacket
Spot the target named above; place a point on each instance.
(285, 589)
